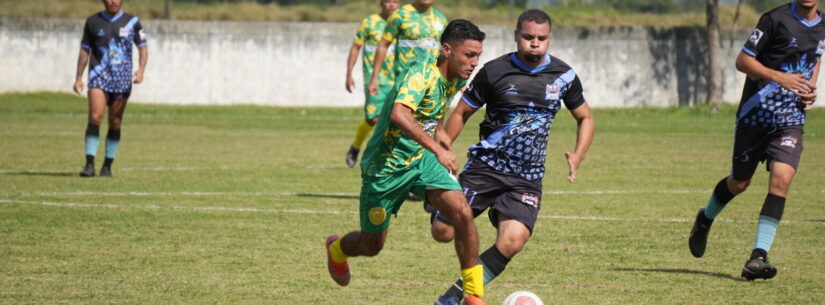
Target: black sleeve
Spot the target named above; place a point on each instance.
(760, 37)
(86, 41)
(477, 92)
(574, 95)
(140, 36)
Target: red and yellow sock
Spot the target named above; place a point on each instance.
(361, 133)
(338, 255)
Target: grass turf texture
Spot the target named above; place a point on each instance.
(232, 205)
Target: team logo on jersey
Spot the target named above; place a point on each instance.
(552, 92)
(788, 141)
(377, 215)
(530, 199)
(756, 35)
(124, 32)
(793, 43)
(511, 90)
(438, 26)
(820, 48)
(101, 33)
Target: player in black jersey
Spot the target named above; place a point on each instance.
(523, 91)
(781, 59)
(108, 37)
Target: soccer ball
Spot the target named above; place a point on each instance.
(522, 298)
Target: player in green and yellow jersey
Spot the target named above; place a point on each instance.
(415, 30)
(404, 156)
(370, 32)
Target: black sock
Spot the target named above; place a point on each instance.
(108, 162)
(722, 193)
(494, 263)
(758, 252)
(90, 159)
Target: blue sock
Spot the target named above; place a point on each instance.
(112, 142)
(765, 232)
(721, 196)
(92, 139)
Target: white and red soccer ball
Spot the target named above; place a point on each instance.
(522, 298)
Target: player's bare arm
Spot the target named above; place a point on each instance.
(810, 98)
(402, 117)
(380, 54)
(82, 61)
(584, 137)
(353, 57)
(441, 136)
(143, 58)
(457, 120)
(795, 83)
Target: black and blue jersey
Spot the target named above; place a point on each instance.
(110, 40)
(786, 42)
(522, 103)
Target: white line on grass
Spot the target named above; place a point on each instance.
(337, 212)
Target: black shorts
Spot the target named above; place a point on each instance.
(752, 145)
(111, 97)
(510, 195)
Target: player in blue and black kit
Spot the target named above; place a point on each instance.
(108, 37)
(781, 59)
(522, 91)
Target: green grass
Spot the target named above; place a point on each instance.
(230, 205)
(356, 11)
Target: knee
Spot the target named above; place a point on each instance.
(371, 249)
(373, 121)
(736, 187)
(442, 232)
(95, 118)
(114, 122)
(509, 247)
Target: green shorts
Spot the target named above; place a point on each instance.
(383, 196)
(374, 104)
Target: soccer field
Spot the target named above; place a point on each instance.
(231, 205)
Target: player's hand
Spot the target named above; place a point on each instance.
(78, 86)
(796, 83)
(809, 100)
(138, 76)
(573, 161)
(373, 87)
(350, 83)
(443, 139)
(447, 158)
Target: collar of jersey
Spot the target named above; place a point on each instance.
(803, 20)
(524, 67)
(434, 66)
(113, 19)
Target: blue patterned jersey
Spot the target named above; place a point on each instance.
(786, 42)
(522, 103)
(109, 41)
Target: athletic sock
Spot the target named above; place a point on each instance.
(112, 142)
(769, 218)
(108, 162)
(338, 254)
(759, 252)
(494, 263)
(473, 280)
(361, 133)
(92, 141)
(721, 196)
(90, 159)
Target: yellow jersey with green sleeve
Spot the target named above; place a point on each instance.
(369, 34)
(416, 35)
(428, 93)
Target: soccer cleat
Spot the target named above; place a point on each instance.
(758, 268)
(352, 156)
(472, 300)
(445, 300)
(338, 271)
(106, 172)
(89, 171)
(699, 234)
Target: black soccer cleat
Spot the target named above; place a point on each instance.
(699, 234)
(89, 171)
(352, 156)
(105, 171)
(758, 268)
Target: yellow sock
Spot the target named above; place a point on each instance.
(338, 255)
(363, 130)
(473, 280)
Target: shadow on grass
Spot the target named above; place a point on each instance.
(47, 174)
(685, 271)
(334, 196)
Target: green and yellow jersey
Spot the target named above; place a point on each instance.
(416, 34)
(424, 90)
(370, 32)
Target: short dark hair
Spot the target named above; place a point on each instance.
(534, 15)
(460, 30)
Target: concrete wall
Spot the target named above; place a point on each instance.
(303, 64)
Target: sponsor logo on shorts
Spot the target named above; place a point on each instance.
(371, 109)
(530, 199)
(377, 215)
(788, 141)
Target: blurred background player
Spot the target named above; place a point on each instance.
(415, 29)
(781, 59)
(403, 156)
(108, 37)
(522, 91)
(369, 35)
